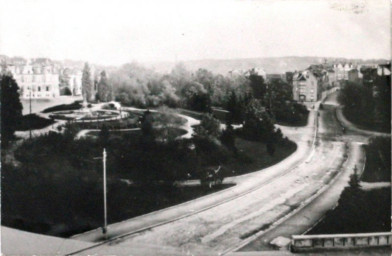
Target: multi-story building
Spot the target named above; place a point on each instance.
(306, 86)
(342, 70)
(353, 75)
(384, 69)
(332, 77)
(36, 80)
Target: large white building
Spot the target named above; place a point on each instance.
(36, 80)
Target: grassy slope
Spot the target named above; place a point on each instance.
(363, 124)
(370, 213)
(253, 156)
(33, 122)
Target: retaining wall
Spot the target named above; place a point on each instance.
(301, 243)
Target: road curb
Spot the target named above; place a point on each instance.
(287, 216)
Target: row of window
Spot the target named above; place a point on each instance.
(39, 88)
(38, 95)
(36, 78)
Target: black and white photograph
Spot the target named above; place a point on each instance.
(170, 128)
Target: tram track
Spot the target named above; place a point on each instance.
(269, 180)
(129, 234)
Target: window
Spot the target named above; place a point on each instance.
(47, 88)
(39, 88)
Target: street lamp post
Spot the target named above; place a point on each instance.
(104, 230)
(105, 223)
(30, 114)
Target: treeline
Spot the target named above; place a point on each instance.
(200, 91)
(142, 87)
(368, 105)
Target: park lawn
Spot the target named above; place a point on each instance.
(378, 160)
(76, 209)
(253, 156)
(72, 106)
(194, 114)
(219, 114)
(135, 134)
(303, 122)
(376, 170)
(365, 124)
(54, 204)
(32, 121)
(367, 211)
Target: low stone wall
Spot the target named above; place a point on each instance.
(302, 243)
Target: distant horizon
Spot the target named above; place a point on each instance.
(194, 60)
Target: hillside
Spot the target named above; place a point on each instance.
(270, 65)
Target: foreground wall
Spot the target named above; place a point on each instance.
(302, 243)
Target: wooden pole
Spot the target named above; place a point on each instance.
(30, 114)
(104, 192)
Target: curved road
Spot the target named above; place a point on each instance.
(217, 222)
(309, 216)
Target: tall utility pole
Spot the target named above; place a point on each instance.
(104, 230)
(30, 114)
(105, 213)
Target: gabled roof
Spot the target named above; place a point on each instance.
(300, 76)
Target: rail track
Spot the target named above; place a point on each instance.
(118, 238)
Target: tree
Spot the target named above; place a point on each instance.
(11, 108)
(65, 91)
(258, 85)
(104, 89)
(196, 97)
(64, 82)
(180, 76)
(257, 125)
(87, 83)
(206, 78)
(354, 180)
(147, 125)
(209, 127)
(235, 107)
(228, 138)
(382, 85)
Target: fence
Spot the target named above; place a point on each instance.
(301, 243)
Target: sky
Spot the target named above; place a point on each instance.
(114, 32)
